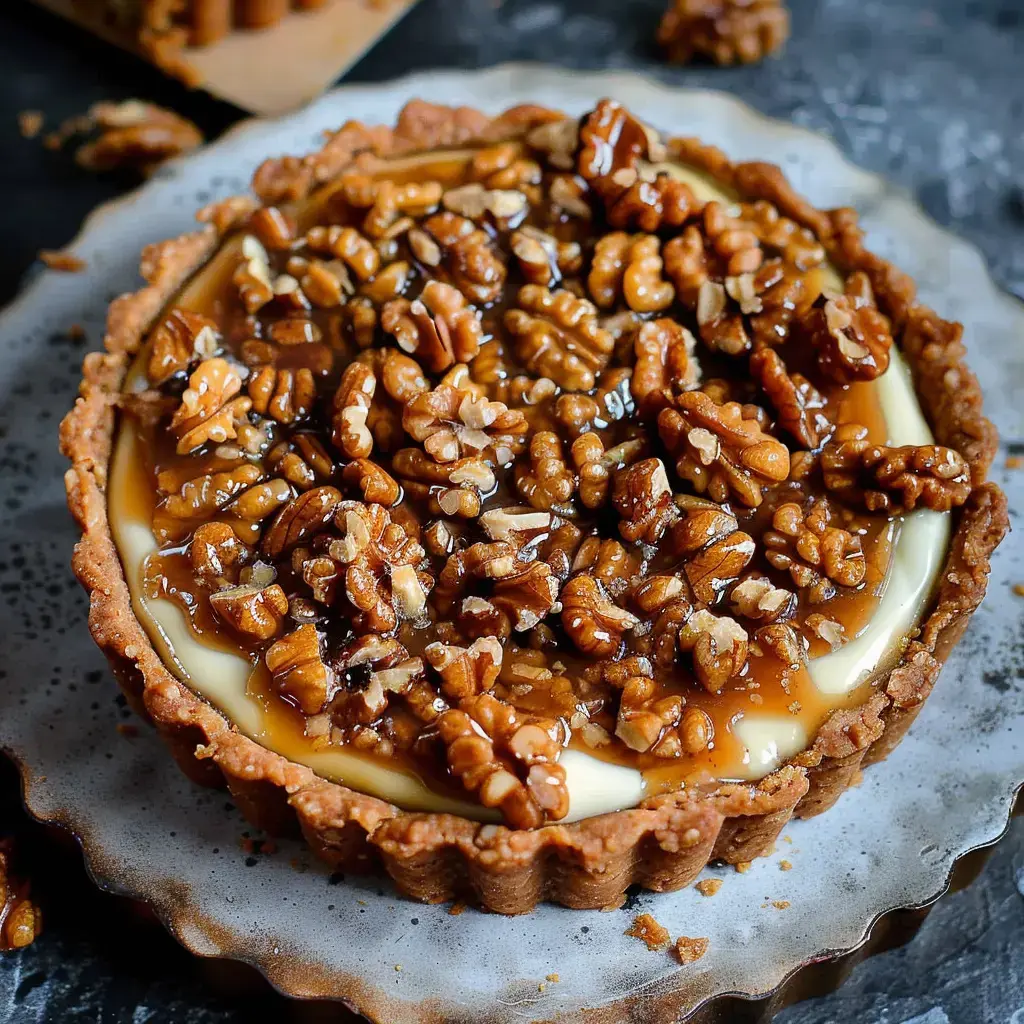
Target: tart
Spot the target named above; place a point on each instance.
(530, 506)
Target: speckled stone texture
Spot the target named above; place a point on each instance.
(929, 93)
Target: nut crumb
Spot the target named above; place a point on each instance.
(1015, 461)
(709, 886)
(30, 123)
(1018, 589)
(456, 908)
(60, 259)
(398, 967)
(687, 950)
(785, 865)
(541, 986)
(742, 866)
(553, 978)
(649, 931)
(76, 334)
(780, 904)
(127, 730)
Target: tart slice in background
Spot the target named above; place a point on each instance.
(530, 506)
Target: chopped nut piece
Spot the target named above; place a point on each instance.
(355, 250)
(178, 341)
(718, 645)
(720, 450)
(758, 599)
(665, 365)
(716, 551)
(380, 560)
(252, 275)
(479, 734)
(386, 201)
(543, 259)
(136, 134)
(475, 202)
(548, 482)
(283, 395)
(557, 336)
(649, 931)
(783, 642)
(302, 517)
(708, 886)
(893, 480)
(469, 257)
(438, 327)
(800, 406)
(375, 485)
(629, 268)
(852, 339)
(352, 400)
(453, 423)
(688, 951)
(726, 31)
(466, 671)
(829, 630)
(298, 670)
(594, 623)
(557, 140)
(813, 551)
(252, 609)
(217, 554)
(643, 497)
(209, 410)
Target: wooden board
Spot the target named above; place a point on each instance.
(277, 69)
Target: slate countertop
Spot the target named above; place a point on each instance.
(929, 93)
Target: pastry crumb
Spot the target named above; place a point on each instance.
(649, 931)
(708, 886)
(787, 839)
(1018, 589)
(128, 730)
(688, 950)
(60, 259)
(398, 967)
(458, 907)
(30, 123)
(785, 865)
(541, 986)
(553, 978)
(780, 904)
(742, 866)
(1015, 461)
(76, 334)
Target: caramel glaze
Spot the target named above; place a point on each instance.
(765, 686)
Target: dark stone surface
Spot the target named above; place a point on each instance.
(929, 93)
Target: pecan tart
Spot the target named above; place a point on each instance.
(531, 506)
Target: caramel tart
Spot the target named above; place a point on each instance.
(529, 506)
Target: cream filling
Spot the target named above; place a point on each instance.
(595, 786)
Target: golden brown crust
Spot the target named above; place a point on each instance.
(663, 843)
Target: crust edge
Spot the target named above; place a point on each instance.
(665, 842)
